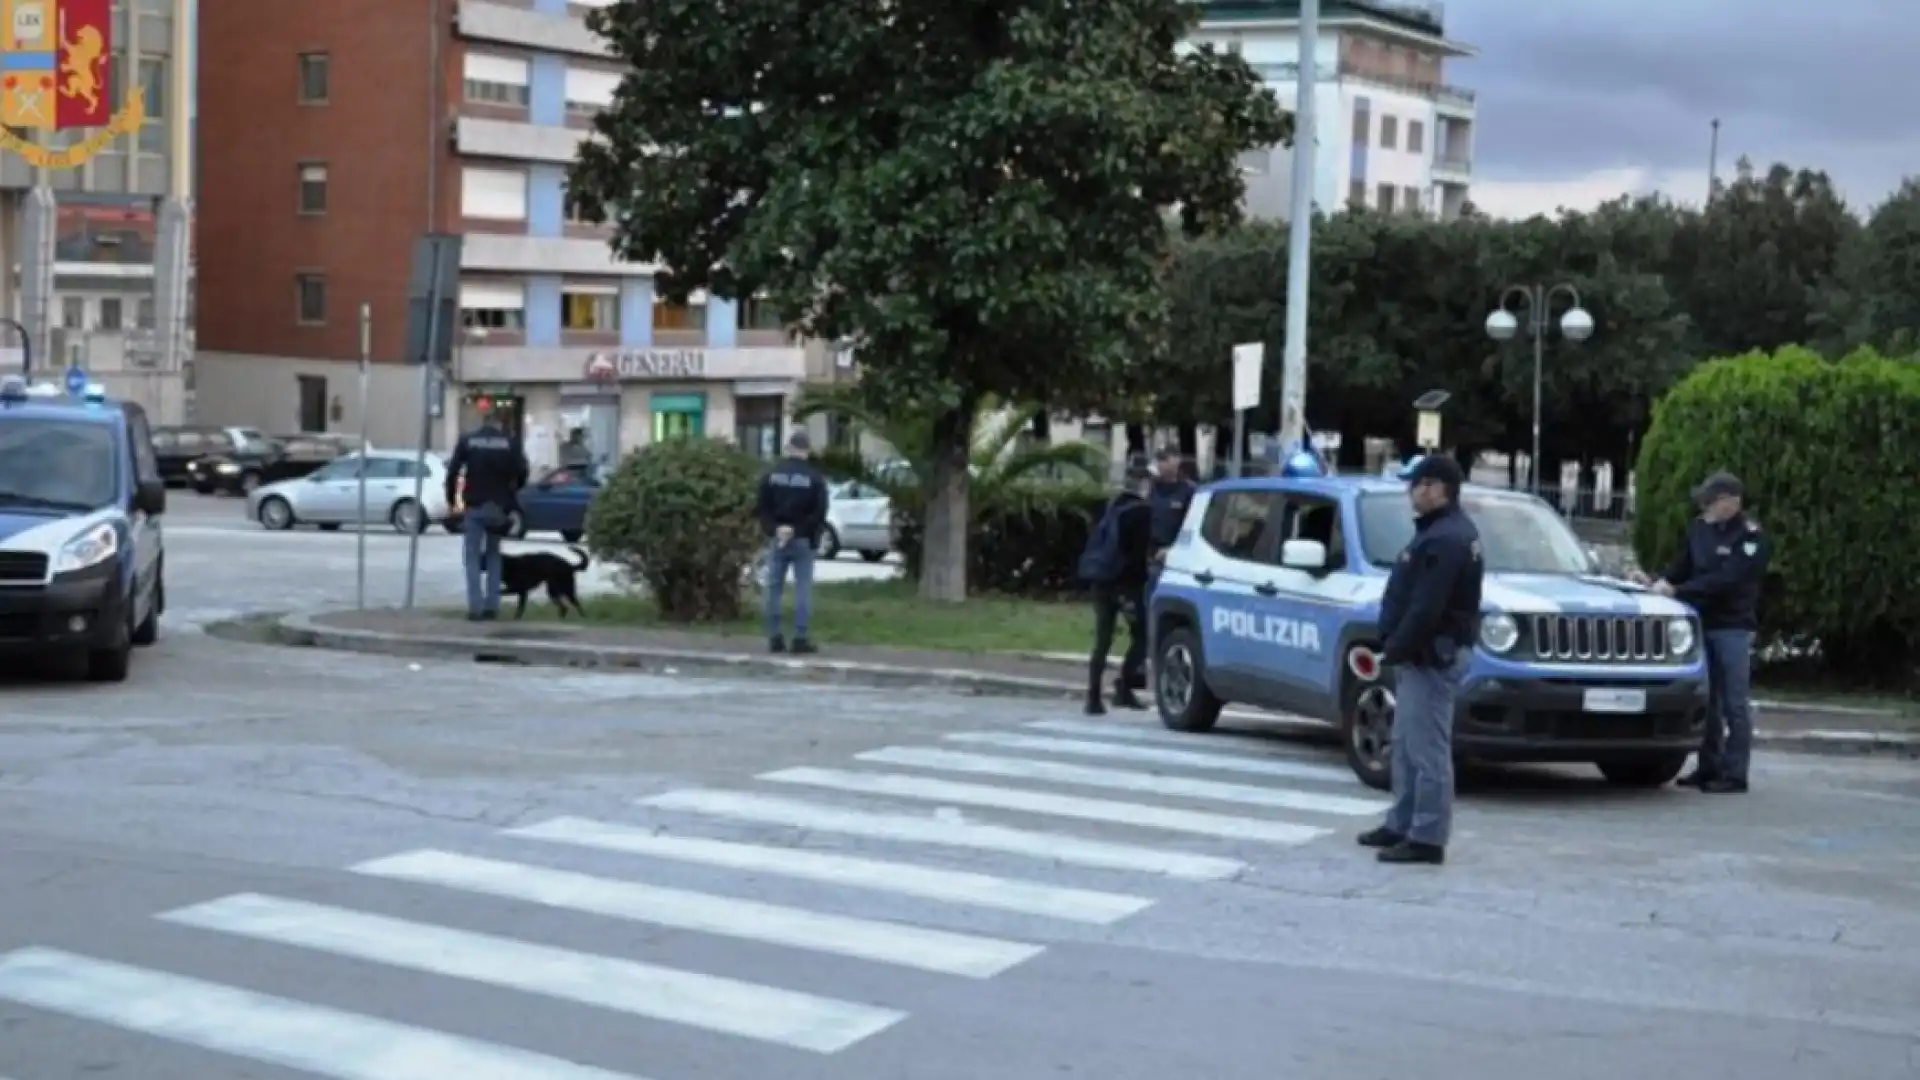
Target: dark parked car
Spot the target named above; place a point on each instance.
(557, 502)
(285, 457)
(175, 448)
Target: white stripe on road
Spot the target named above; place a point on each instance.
(727, 1006)
(926, 789)
(307, 1038)
(1160, 736)
(707, 913)
(907, 879)
(947, 831)
(1178, 787)
(1153, 755)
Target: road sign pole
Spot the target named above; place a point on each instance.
(1249, 364)
(366, 375)
(436, 272)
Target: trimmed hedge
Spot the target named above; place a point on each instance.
(1026, 544)
(678, 518)
(1830, 455)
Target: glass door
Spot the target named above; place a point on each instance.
(679, 416)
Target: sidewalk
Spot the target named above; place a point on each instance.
(1797, 725)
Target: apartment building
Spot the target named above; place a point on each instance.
(1393, 133)
(332, 135)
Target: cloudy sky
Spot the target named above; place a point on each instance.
(1581, 100)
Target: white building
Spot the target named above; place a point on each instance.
(1393, 134)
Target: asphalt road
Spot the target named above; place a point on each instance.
(265, 864)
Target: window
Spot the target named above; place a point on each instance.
(589, 90)
(1416, 137)
(1362, 121)
(153, 85)
(143, 313)
(679, 316)
(759, 314)
(590, 308)
(313, 189)
(1238, 523)
(1410, 199)
(111, 317)
(1385, 193)
(496, 80)
(1357, 195)
(1518, 534)
(73, 312)
(491, 305)
(316, 78)
(493, 194)
(1318, 520)
(1389, 132)
(310, 299)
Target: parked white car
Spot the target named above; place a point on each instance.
(330, 496)
(859, 518)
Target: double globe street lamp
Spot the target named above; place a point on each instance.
(1537, 302)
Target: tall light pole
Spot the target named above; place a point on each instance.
(1306, 142)
(1575, 325)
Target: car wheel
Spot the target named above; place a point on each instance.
(405, 517)
(829, 546)
(1180, 683)
(1366, 725)
(113, 663)
(148, 631)
(873, 556)
(276, 514)
(571, 536)
(1642, 770)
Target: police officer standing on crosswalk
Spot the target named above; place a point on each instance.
(495, 467)
(1429, 621)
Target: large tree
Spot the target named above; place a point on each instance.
(973, 192)
(1876, 298)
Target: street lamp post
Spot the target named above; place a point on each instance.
(1575, 325)
(26, 344)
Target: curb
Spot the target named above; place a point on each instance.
(305, 631)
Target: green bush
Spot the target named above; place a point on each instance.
(1830, 455)
(1026, 542)
(678, 519)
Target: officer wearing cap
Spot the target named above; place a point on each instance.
(1429, 621)
(1719, 572)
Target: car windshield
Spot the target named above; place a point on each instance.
(1519, 534)
(56, 464)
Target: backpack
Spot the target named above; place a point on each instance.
(1100, 562)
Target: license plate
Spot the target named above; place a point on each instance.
(1615, 701)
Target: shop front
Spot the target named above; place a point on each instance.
(583, 406)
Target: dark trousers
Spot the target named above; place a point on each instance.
(1109, 603)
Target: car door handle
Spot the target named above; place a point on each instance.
(1203, 578)
(1267, 588)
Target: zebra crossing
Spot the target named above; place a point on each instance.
(982, 825)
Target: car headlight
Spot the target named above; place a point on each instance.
(90, 548)
(1680, 636)
(229, 468)
(1499, 633)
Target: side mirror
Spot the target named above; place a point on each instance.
(1303, 555)
(150, 497)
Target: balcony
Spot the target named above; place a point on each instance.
(528, 29)
(1455, 101)
(1452, 169)
(517, 253)
(516, 142)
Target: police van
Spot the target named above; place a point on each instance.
(81, 563)
(1271, 597)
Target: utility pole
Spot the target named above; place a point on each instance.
(1713, 162)
(1306, 142)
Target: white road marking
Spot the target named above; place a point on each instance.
(728, 1006)
(1178, 787)
(947, 832)
(708, 913)
(927, 789)
(1288, 770)
(907, 879)
(1160, 736)
(271, 1030)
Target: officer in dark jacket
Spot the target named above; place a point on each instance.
(1429, 622)
(793, 511)
(495, 467)
(1169, 498)
(1124, 591)
(1719, 571)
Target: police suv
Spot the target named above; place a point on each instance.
(81, 565)
(1271, 595)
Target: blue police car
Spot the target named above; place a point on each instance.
(81, 565)
(1270, 596)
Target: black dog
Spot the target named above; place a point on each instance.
(521, 574)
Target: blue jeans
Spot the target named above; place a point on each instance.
(1422, 809)
(480, 556)
(796, 554)
(1726, 748)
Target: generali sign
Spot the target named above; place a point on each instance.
(647, 364)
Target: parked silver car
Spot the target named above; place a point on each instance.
(330, 496)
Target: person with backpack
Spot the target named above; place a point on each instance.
(1117, 563)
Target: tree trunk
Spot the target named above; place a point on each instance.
(943, 562)
(1136, 441)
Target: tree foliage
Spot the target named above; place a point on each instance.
(974, 192)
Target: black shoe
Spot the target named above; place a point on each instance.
(1381, 837)
(1695, 778)
(1124, 697)
(475, 616)
(1721, 785)
(803, 647)
(1412, 851)
(776, 644)
(1096, 707)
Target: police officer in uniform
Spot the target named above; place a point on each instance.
(1121, 592)
(1719, 571)
(793, 511)
(1429, 622)
(1169, 499)
(495, 466)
